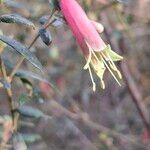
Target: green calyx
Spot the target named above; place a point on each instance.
(113, 55)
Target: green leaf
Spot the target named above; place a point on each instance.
(114, 56)
(18, 142)
(15, 18)
(22, 50)
(25, 74)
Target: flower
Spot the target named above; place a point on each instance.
(98, 55)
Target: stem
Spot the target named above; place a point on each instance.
(9, 91)
(45, 26)
(131, 85)
(15, 115)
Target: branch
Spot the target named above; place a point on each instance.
(131, 85)
(45, 26)
(58, 110)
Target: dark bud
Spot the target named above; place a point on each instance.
(45, 36)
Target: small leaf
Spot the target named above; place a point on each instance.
(15, 18)
(45, 36)
(31, 112)
(18, 142)
(22, 50)
(26, 74)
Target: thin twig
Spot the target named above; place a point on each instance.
(9, 91)
(45, 26)
(10, 99)
(85, 119)
(131, 85)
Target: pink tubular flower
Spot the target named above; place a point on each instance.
(98, 55)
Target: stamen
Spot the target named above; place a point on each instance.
(88, 60)
(95, 56)
(102, 84)
(109, 69)
(94, 85)
(96, 68)
(100, 61)
(112, 64)
(100, 69)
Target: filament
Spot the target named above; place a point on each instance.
(94, 85)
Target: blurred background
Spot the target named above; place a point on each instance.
(74, 117)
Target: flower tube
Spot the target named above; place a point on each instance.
(98, 55)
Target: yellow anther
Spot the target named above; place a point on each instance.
(110, 70)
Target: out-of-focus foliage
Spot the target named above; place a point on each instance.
(57, 109)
